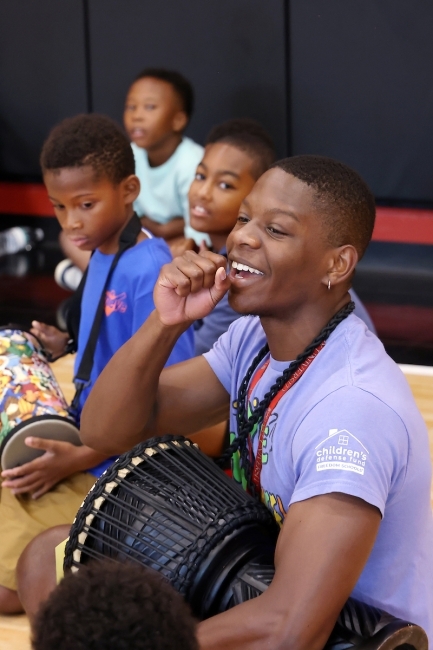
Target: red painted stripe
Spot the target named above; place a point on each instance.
(392, 224)
(25, 199)
(409, 323)
(404, 225)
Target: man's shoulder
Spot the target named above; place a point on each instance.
(356, 365)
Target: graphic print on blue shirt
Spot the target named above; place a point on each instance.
(129, 301)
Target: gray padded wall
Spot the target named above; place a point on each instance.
(362, 89)
(42, 76)
(233, 51)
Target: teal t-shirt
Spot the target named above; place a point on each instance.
(164, 189)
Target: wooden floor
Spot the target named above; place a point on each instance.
(14, 630)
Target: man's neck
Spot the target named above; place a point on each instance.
(288, 337)
(163, 151)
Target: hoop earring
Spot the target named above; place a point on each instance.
(329, 284)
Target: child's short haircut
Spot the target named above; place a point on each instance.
(248, 136)
(89, 140)
(181, 85)
(109, 606)
(343, 200)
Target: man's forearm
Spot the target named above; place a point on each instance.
(122, 400)
(254, 625)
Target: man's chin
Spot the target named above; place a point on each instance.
(236, 304)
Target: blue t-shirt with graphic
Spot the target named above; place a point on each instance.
(350, 425)
(128, 303)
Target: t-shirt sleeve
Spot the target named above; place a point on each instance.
(143, 305)
(353, 443)
(219, 358)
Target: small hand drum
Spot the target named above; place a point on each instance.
(31, 402)
(168, 506)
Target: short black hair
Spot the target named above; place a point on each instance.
(249, 136)
(181, 85)
(342, 198)
(109, 606)
(93, 140)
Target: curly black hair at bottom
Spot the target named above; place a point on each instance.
(114, 606)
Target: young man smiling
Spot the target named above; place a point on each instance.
(340, 451)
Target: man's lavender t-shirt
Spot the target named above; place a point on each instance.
(349, 425)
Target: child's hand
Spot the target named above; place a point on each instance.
(190, 286)
(53, 339)
(41, 474)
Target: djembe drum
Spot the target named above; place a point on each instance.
(168, 506)
(31, 402)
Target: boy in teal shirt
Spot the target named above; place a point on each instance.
(158, 108)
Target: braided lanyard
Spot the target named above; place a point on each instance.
(258, 461)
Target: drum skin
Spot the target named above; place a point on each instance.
(29, 392)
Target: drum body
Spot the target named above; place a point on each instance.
(168, 506)
(31, 402)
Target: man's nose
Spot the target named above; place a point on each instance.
(247, 235)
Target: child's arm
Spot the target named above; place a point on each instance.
(53, 340)
(169, 230)
(60, 460)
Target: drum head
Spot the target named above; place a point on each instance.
(15, 452)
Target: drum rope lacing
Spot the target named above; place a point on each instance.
(229, 513)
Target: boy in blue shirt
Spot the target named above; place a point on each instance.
(88, 169)
(158, 107)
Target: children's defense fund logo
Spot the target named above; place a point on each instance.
(341, 450)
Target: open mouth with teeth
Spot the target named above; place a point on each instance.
(244, 271)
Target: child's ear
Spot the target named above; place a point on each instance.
(131, 189)
(180, 120)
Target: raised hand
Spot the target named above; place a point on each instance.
(190, 286)
(53, 339)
